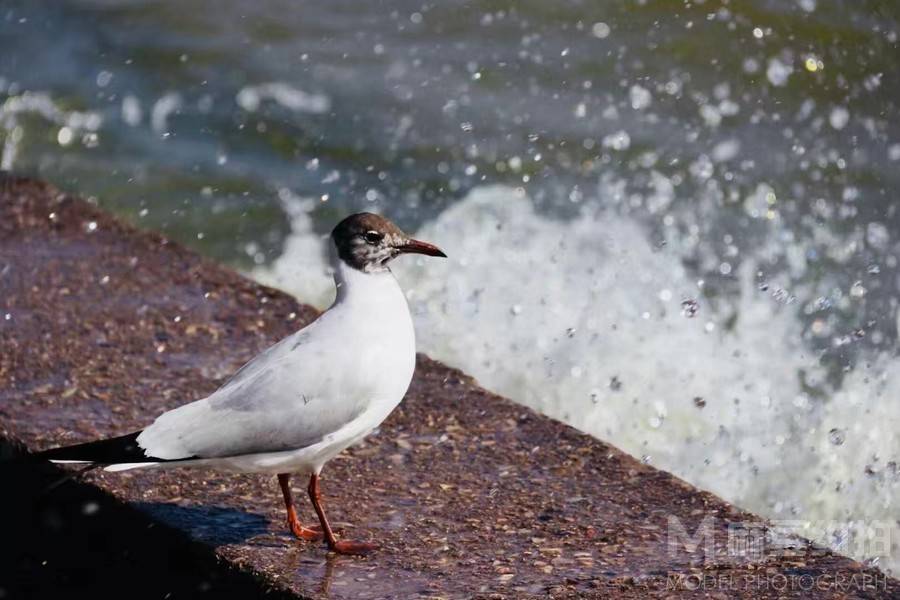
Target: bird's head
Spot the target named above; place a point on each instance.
(368, 242)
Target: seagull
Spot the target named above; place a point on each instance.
(299, 403)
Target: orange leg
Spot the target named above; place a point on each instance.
(335, 545)
(299, 531)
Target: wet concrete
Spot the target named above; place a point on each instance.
(470, 495)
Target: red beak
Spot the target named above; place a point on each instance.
(417, 247)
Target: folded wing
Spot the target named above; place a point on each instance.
(289, 397)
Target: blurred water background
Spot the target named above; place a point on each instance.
(671, 224)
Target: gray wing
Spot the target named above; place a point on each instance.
(288, 397)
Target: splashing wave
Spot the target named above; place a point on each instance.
(583, 320)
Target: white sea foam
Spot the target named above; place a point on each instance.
(252, 96)
(71, 122)
(583, 320)
(167, 105)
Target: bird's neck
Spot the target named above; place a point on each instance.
(359, 287)
(373, 309)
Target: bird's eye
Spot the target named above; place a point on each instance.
(373, 237)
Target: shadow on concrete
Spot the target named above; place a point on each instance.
(78, 542)
(215, 525)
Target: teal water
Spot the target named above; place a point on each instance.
(600, 170)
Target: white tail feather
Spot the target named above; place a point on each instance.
(129, 466)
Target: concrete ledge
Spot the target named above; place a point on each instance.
(103, 327)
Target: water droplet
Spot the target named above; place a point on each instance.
(878, 236)
(645, 459)
(783, 296)
(617, 141)
(640, 97)
(600, 30)
(778, 72)
(837, 436)
(839, 117)
(90, 140)
(689, 308)
(131, 110)
(103, 78)
(819, 327)
(699, 402)
(65, 136)
(872, 562)
(894, 152)
(515, 309)
(91, 226)
(614, 383)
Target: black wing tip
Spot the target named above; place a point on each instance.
(108, 451)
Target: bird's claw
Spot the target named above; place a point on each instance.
(351, 547)
(301, 532)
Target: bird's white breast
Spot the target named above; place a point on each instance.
(370, 321)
